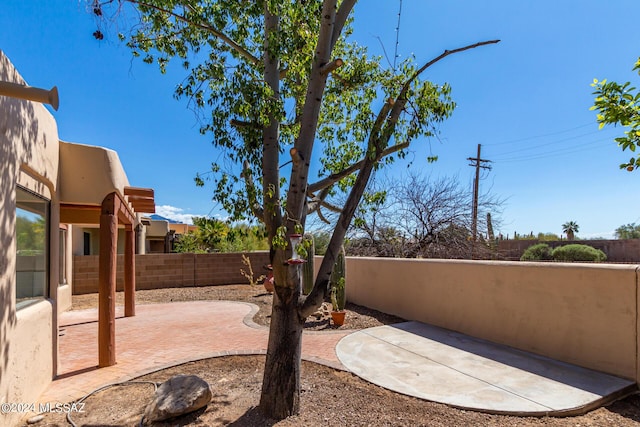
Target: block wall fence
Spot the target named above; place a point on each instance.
(585, 314)
(618, 251)
(154, 271)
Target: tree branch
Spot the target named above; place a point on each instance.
(231, 43)
(331, 66)
(401, 99)
(341, 18)
(251, 191)
(447, 53)
(335, 177)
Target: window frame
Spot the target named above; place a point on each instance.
(25, 203)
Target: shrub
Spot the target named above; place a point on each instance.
(577, 252)
(539, 252)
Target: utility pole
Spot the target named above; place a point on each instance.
(478, 163)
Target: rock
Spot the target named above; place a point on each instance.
(323, 312)
(35, 419)
(177, 396)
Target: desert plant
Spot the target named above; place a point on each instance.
(338, 280)
(539, 252)
(307, 268)
(577, 252)
(250, 275)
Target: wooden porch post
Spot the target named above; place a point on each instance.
(129, 272)
(107, 281)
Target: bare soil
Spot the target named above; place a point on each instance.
(329, 397)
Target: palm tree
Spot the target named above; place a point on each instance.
(570, 227)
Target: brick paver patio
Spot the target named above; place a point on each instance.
(164, 335)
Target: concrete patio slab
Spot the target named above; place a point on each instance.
(448, 367)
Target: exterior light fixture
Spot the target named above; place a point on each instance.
(29, 93)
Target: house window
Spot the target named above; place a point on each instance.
(32, 260)
(86, 243)
(62, 256)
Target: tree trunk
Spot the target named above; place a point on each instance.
(281, 383)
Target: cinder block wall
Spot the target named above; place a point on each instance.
(623, 251)
(154, 271)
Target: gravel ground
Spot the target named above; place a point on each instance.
(329, 397)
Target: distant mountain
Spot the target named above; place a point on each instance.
(157, 217)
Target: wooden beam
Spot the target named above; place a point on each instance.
(72, 214)
(137, 191)
(129, 273)
(107, 281)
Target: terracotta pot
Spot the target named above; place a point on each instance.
(268, 285)
(338, 317)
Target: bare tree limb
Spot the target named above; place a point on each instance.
(335, 177)
(322, 217)
(331, 66)
(401, 99)
(447, 53)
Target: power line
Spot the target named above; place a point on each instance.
(539, 136)
(554, 153)
(395, 53)
(478, 163)
(533, 147)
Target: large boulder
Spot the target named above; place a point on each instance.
(177, 396)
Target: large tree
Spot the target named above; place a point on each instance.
(275, 82)
(619, 104)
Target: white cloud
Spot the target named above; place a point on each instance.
(610, 235)
(176, 214)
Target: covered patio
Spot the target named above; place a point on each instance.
(95, 191)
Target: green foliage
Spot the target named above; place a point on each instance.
(539, 252)
(308, 267)
(548, 237)
(575, 252)
(214, 235)
(220, 44)
(337, 282)
(321, 241)
(619, 104)
(30, 234)
(628, 231)
(189, 243)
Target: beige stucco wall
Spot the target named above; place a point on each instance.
(584, 314)
(89, 173)
(158, 228)
(29, 156)
(30, 363)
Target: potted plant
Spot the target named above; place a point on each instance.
(338, 294)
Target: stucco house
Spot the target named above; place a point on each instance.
(50, 191)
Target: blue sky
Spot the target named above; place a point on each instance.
(526, 100)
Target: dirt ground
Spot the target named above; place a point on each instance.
(329, 397)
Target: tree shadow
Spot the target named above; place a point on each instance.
(384, 318)
(253, 418)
